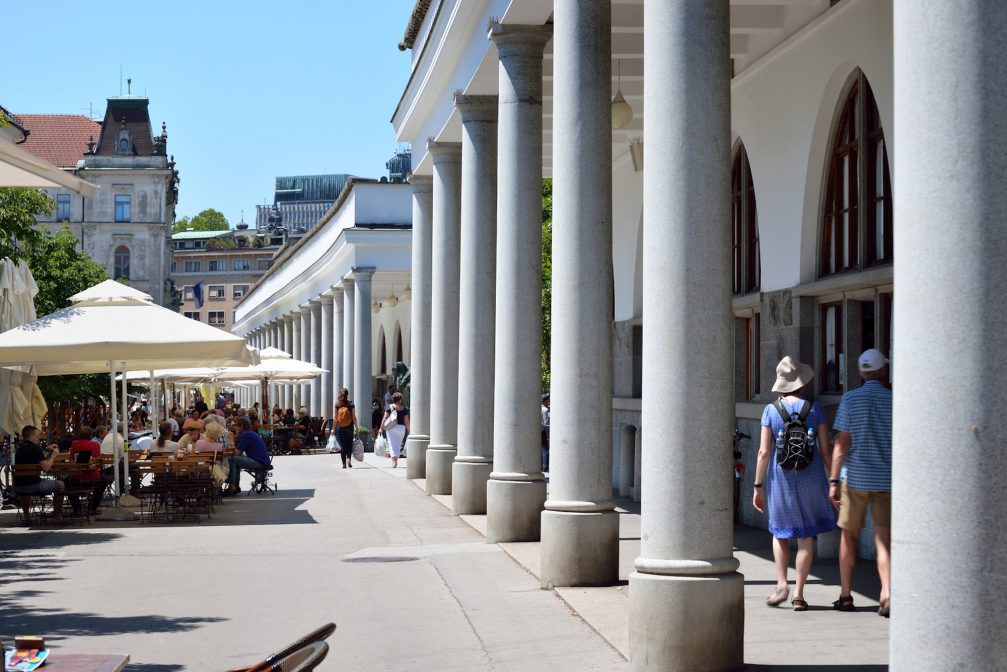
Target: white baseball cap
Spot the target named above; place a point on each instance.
(871, 360)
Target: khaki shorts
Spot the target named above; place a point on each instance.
(853, 508)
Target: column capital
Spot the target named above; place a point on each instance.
(363, 272)
(315, 301)
(519, 40)
(445, 152)
(421, 183)
(477, 108)
(326, 299)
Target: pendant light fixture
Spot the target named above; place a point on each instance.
(622, 113)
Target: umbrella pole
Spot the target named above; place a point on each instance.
(112, 413)
(125, 430)
(264, 389)
(152, 402)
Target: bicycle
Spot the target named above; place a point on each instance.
(738, 469)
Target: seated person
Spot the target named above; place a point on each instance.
(301, 431)
(84, 444)
(225, 439)
(109, 444)
(112, 442)
(210, 443)
(288, 418)
(252, 454)
(164, 444)
(193, 430)
(30, 451)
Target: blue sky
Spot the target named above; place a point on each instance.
(250, 90)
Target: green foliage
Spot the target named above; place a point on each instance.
(61, 270)
(20, 233)
(222, 244)
(546, 280)
(207, 220)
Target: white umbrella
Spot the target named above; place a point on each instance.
(275, 366)
(110, 290)
(97, 334)
(19, 395)
(19, 168)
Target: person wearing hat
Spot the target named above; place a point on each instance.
(192, 430)
(545, 432)
(798, 499)
(861, 474)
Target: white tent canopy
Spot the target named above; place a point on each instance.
(110, 290)
(19, 168)
(86, 336)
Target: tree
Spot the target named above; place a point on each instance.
(20, 233)
(207, 220)
(546, 280)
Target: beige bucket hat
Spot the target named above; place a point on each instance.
(791, 375)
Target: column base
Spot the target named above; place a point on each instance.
(686, 622)
(580, 549)
(439, 460)
(416, 463)
(468, 487)
(513, 510)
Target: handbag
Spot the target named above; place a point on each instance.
(393, 419)
(358, 450)
(381, 446)
(331, 446)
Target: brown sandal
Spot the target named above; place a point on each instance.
(844, 603)
(778, 597)
(799, 604)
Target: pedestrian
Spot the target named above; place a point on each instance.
(545, 432)
(795, 484)
(861, 475)
(345, 426)
(396, 434)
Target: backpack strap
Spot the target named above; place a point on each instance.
(782, 410)
(804, 412)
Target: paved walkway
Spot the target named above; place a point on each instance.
(411, 587)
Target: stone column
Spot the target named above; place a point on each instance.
(949, 554)
(580, 528)
(298, 353)
(515, 492)
(637, 465)
(445, 250)
(316, 356)
(686, 597)
(325, 357)
(477, 304)
(627, 451)
(362, 343)
(288, 342)
(349, 315)
(305, 388)
(419, 347)
(338, 379)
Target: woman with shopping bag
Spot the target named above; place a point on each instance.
(394, 426)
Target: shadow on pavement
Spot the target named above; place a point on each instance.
(811, 668)
(152, 667)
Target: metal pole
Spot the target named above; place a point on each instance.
(111, 415)
(125, 431)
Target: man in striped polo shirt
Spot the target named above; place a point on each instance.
(862, 459)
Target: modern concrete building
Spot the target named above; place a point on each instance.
(126, 226)
(340, 298)
(225, 264)
(744, 209)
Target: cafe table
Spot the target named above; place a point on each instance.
(85, 662)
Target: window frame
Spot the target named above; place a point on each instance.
(123, 208)
(193, 315)
(247, 264)
(216, 293)
(222, 317)
(848, 225)
(63, 204)
(191, 266)
(239, 291)
(121, 269)
(746, 255)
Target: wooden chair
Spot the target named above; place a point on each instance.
(285, 655)
(39, 505)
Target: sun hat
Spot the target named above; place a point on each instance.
(192, 424)
(791, 375)
(871, 360)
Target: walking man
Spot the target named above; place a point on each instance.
(545, 432)
(862, 466)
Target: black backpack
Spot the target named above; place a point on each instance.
(795, 448)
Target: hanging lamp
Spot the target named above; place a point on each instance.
(622, 113)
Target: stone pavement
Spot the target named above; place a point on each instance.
(410, 586)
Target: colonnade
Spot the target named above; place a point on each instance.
(477, 246)
(333, 332)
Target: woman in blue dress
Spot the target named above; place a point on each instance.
(799, 506)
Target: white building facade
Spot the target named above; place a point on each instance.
(749, 210)
(339, 298)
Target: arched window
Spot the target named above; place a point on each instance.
(745, 226)
(857, 222)
(121, 263)
(384, 353)
(398, 344)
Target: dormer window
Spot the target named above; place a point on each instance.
(124, 141)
